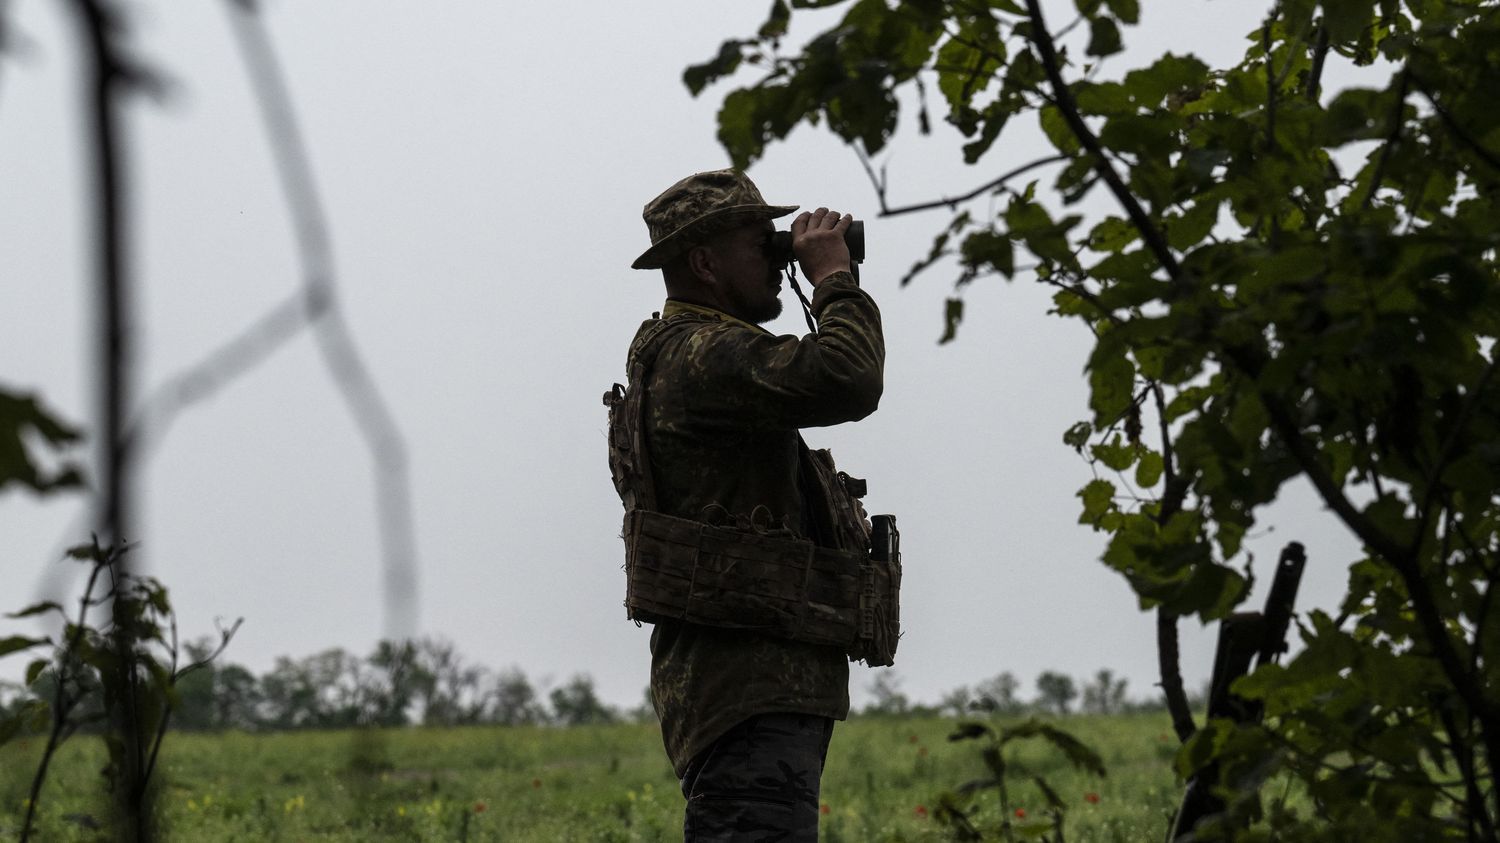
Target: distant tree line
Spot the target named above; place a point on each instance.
(427, 682)
(424, 682)
(1056, 693)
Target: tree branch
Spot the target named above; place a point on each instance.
(106, 80)
(954, 201)
(1314, 82)
(1445, 454)
(1400, 558)
(218, 369)
(1152, 235)
(1086, 294)
(1168, 664)
(1391, 139)
(1458, 131)
(1174, 492)
(340, 354)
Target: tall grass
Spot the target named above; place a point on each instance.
(593, 783)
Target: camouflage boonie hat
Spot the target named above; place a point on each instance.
(698, 206)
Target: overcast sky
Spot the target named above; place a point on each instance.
(483, 166)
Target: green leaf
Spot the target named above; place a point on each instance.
(36, 609)
(23, 421)
(1111, 381)
(776, 21)
(1128, 11)
(1115, 454)
(19, 643)
(1112, 234)
(966, 64)
(1346, 19)
(85, 553)
(1169, 77)
(991, 121)
(1149, 470)
(1355, 114)
(1189, 229)
(1210, 591)
(1076, 751)
(34, 670)
(1104, 37)
(986, 250)
(1203, 747)
(698, 76)
(1078, 435)
(1102, 98)
(952, 315)
(1098, 498)
(1057, 130)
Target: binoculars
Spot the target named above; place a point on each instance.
(854, 237)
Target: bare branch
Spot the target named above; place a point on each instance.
(951, 202)
(1168, 661)
(340, 354)
(222, 366)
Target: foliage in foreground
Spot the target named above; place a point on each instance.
(1295, 283)
(119, 677)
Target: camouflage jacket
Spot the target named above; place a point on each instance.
(723, 405)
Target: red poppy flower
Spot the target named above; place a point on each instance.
(536, 782)
(480, 807)
(1091, 798)
(824, 809)
(912, 739)
(1020, 813)
(921, 812)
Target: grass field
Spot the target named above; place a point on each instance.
(607, 783)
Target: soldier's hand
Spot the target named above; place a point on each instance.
(818, 243)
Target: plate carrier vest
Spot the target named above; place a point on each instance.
(745, 572)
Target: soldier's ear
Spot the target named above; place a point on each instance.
(701, 264)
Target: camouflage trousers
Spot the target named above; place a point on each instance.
(758, 783)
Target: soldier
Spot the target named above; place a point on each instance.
(746, 718)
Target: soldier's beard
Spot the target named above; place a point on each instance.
(759, 309)
(771, 311)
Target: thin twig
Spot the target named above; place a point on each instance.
(62, 705)
(1085, 294)
(950, 202)
(1272, 83)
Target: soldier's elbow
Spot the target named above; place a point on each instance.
(864, 395)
